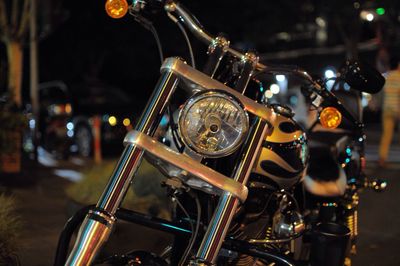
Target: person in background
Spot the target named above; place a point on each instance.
(391, 109)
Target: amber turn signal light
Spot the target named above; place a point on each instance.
(116, 8)
(330, 117)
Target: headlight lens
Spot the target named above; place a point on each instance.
(213, 124)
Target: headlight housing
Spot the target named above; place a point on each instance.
(213, 124)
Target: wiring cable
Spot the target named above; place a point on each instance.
(181, 262)
(147, 24)
(185, 35)
(158, 42)
(196, 230)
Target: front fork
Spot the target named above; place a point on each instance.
(227, 205)
(98, 224)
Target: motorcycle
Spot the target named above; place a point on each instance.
(234, 163)
(337, 162)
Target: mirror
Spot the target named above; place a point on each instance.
(362, 77)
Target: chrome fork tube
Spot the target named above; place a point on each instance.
(227, 205)
(98, 224)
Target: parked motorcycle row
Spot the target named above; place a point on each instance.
(249, 185)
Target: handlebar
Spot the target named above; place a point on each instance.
(178, 11)
(197, 29)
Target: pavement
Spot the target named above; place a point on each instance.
(379, 220)
(43, 208)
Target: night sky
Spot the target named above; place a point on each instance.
(87, 45)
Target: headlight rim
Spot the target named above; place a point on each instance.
(213, 93)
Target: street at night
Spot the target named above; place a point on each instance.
(44, 208)
(199, 133)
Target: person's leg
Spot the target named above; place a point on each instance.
(386, 138)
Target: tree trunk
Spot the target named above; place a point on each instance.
(15, 56)
(10, 162)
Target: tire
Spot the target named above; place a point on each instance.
(84, 140)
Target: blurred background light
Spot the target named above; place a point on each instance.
(370, 17)
(280, 78)
(126, 122)
(275, 88)
(329, 73)
(367, 15)
(380, 11)
(112, 120)
(268, 94)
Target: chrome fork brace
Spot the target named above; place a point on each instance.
(98, 224)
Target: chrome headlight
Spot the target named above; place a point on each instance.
(213, 124)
